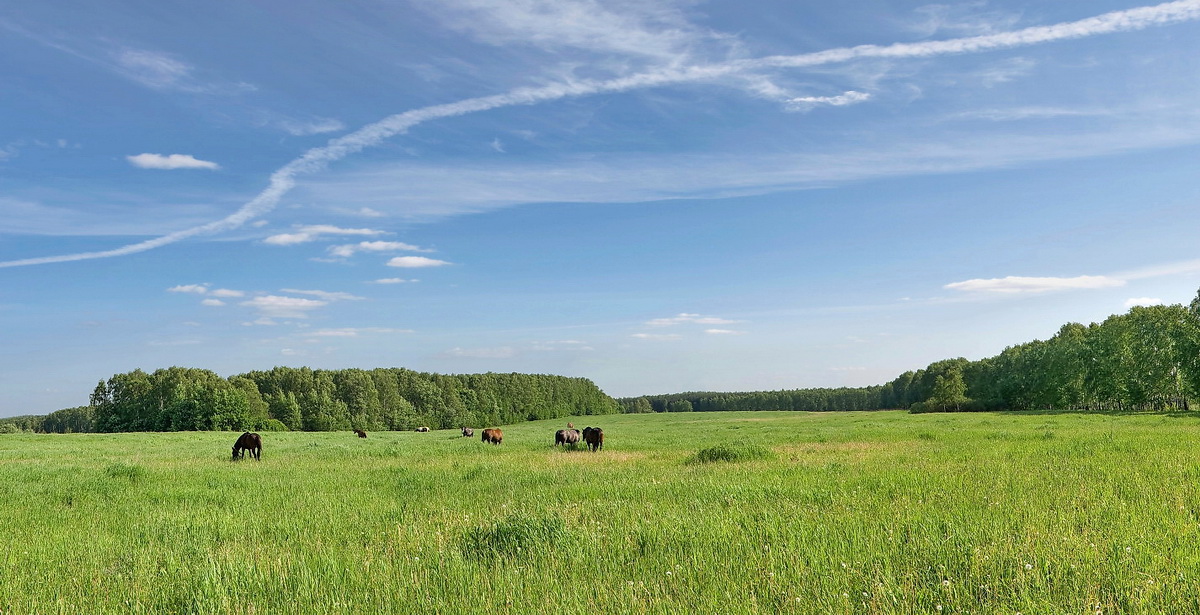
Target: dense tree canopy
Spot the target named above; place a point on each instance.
(287, 398)
(1145, 359)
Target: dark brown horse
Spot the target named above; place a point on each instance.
(493, 435)
(360, 433)
(566, 436)
(247, 442)
(594, 437)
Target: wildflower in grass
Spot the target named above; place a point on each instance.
(1028, 566)
(945, 582)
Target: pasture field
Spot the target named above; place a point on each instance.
(864, 512)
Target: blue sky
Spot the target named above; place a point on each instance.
(659, 196)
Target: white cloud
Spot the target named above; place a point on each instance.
(309, 233)
(212, 302)
(173, 161)
(689, 318)
(808, 103)
(1019, 284)
(393, 281)
(723, 332)
(356, 331)
(227, 292)
(561, 345)
(348, 250)
(411, 262)
(657, 336)
(1012, 285)
(274, 306)
(1030, 113)
(198, 289)
(324, 295)
(498, 146)
(1142, 301)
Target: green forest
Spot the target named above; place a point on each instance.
(303, 399)
(1145, 359)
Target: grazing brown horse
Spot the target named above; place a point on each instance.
(566, 436)
(247, 442)
(493, 435)
(468, 432)
(594, 437)
(360, 433)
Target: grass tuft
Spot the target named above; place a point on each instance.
(733, 452)
(130, 472)
(515, 536)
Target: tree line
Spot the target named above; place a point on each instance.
(286, 398)
(1145, 359)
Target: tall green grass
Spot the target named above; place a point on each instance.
(828, 513)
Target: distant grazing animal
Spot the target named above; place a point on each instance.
(493, 435)
(566, 436)
(422, 429)
(360, 433)
(468, 432)
(594, 437)
(570, 425)
(247, 442)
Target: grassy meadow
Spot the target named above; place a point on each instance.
(764, 512)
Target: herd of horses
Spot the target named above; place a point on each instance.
(592, 437)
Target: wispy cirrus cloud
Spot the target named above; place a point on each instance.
(1023, 284)
(661, 337)
(962, 19)
(163, 71)
(394, 281)
(808, 103)
(314, 126)
(689, 318)
(170, 162)
(324, 295)
(313, 232)
(655, 32)
(355, 332)
(1015, 285)
(667, 73)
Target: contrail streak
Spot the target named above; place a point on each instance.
(316, 159)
